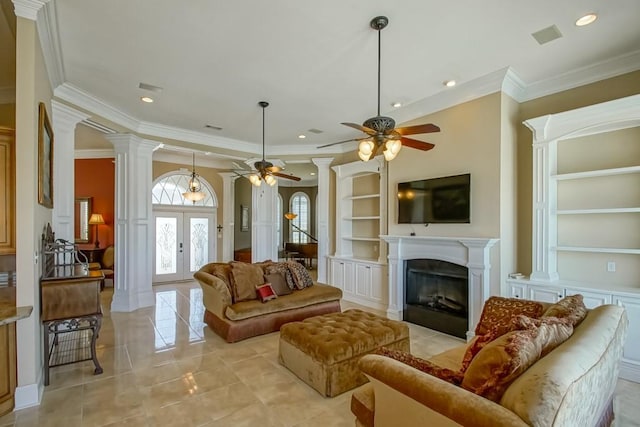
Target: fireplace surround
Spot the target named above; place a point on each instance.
(470, 252)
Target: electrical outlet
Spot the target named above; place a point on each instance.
(611, 267)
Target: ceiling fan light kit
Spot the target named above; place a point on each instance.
(381, 131)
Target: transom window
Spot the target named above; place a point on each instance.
(168, 190)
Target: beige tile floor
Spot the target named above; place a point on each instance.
(163, 366)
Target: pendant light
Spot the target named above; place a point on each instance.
(194, 194)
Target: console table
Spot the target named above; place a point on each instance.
(71, 315)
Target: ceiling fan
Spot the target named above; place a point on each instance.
(266, 171)
(381, 130)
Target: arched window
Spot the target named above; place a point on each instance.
(169, 187)
(300, 207)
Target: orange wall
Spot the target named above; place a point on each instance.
(96, 178)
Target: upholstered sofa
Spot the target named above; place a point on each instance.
(235, 311)
(572, 385)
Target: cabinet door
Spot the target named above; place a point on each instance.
(348, 279)
(378, 289)
(631, 351)
(363, 280)
(545, 294)
(591, 299)
(517, 290)
(337, 273)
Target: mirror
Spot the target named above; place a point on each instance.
(82, 213)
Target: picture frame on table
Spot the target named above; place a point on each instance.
(45, 158)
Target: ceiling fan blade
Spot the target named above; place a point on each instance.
(414, 130)
(282, 175)
(340, 142)
(418, 145)
(364, 129)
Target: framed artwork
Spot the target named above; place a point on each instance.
(45, 158)
(244, 218)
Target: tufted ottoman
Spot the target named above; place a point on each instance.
(323, 351)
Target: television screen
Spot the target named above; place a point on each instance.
(435, 200)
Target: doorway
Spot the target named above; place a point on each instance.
(184, 242)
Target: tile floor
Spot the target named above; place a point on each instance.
(163, 366)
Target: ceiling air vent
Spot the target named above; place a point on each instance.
(316, 131)
(152, 88)
(213, 127)
(547, 34)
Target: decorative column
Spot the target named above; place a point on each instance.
(322, 215)
(133, 222)
(264, 201)
(65, 120)
(228, 204)
(544, 259)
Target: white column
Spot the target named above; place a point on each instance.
(322, 212)
(65, 120)
(264, 200)
(479, 278)
(133, 222)
(228, 203)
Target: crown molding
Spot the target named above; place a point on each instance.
(47, 23)
(185, 158)
(622, 64)
(66, 115)
(8, 95)
(28, 8)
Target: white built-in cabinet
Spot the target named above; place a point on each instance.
(359, 265)
(586, 213)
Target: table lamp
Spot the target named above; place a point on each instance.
(96, 219)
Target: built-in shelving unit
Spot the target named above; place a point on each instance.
(586, 206)
(359, 265)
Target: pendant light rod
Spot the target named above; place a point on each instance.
(264, 105)
(378, 23)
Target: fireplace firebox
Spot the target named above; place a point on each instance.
(437, 295)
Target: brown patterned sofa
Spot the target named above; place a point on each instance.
(571, 383)
(234, 311)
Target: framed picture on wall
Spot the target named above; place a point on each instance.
(244, 218)
(45, 158)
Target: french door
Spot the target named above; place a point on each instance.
(184, 242)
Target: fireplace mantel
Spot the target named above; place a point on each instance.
(471, 252)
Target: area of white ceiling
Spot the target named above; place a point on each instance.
(315, 62)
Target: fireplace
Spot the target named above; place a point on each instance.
(437, 295)
(470, 252)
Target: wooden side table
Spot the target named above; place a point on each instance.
(93, 254)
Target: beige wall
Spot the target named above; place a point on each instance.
(242, 188)
(606, 90)
(32, 87)
(211, 176)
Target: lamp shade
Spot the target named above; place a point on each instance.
(290, 216)
(96, 219)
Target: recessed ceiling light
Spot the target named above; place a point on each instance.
(312, 173)
(302, 136)
(586, 19)
(147, 99)
(396, 104)
(449, 83)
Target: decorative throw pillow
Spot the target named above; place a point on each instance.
(552, 331)
(281, 267)
(301, 277)
(571, 308)
(245, 279)
(278, 283)
(500, 362)
(498, 311)
(445, 374)
(223, 272)
(477, 344)
(265, 292)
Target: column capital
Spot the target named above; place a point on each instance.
(323, 162)
(229, 175)
(124, 142)
(28, 8)
(66, 116)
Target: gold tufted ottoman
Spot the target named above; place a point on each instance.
(323, 351)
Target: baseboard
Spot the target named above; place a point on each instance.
(370, 304)
(28, 396)
(630, 371)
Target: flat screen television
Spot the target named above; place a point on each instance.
(435, 200)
